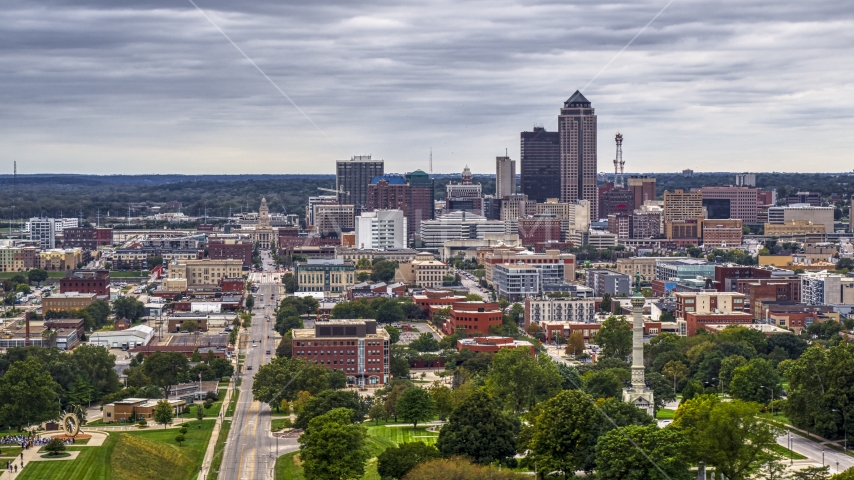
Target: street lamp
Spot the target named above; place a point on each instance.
(772, 398)
(844, 427)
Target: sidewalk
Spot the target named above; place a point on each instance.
(33, 454)
(210, 451)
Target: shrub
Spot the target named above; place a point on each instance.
(208, 404)
(212, 395)
(183, 430)
(180, 439)
(142, 422)
(55, 446)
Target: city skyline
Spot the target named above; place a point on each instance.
(154, 86)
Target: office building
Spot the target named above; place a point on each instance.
(68, 301)
(356, 347)
(424, 271)
(421, 200)
(676, 269)
(540, 161)
(200, 275)
(561, 266)
(801, 215)
(317, 200)
(616, 200)
(473, 318)
(324, 275)
(743, 202)
(516, 206)
(810, 198)
(333, 219)
(465, 196)
(723, 234)
(540, 229)
(745, 180)
(578, 157)
(86, 238)
(516, 282)
(642, 188)
(505, 177)
(645, 266)
(352, 178)
(43, 231)
(681, 205)
(458, 226)
(412, 194)
(698, 309)
(381, 229)
(223, 247)
(613, 283)
(86, 281)
(60, 259)
(18, 259)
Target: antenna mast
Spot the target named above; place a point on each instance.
(431, 159)
(14, 194)
(619, 162)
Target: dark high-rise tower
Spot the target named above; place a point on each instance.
(577, 129)
(352, 178)
(540, 164)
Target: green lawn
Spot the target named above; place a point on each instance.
(92, 463)
(117, 274)
(232, 405)
(785, 452)
(288, 467)
(381, 437)
(278, 423)
(128, 456)
(218, 450)
(665, 414)
(49, 274)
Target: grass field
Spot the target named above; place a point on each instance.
(232, 405)
(381, 437)
(278, 423)
(218, 450)
(288, 467)
(785, 452)
(127, 456)
(665, 414)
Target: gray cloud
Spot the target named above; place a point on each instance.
(109, 87)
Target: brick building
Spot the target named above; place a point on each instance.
(493, 344)
(237, 248)
(473, 317)
(87, 238)
(721, 233)
(86, 281)
(712, 308)
(540, 229)
(356, 347)
(727, 276)
(431, 300)
(67, 301)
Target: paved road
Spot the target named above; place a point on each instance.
(813, 450)
(251, 448)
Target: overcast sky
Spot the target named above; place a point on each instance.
(127, 86)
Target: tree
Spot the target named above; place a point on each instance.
(575, 344)
(844, 263)
(287, 319)
(812, 473)
(196, 356)
(128, 307)
(755, 381)
(731, 436)
(190, 326)
(377, 412)
(442, 398)
(55, 446)
(473, 297)
(221, 368)
(520, 381)
(605, 304)
(163, 413)
(615, 337)
(99, 366)
(602, 384)
(180, 439)
(99, 310)
(329, 400)
(393, 332)
(290, 282)
(396, 461)
(425, 343)
(200, 414)
(459, 468)
(676, 371)
(37, 275)
(642, 453)
(28, 394)
(383, 270)
(285, 349)
(22, 288)
(250, 302)
(391, 398)
(564, 444)
(479, 430)
(415, 405)
(333, 448)
(285, 377)
(164, 369)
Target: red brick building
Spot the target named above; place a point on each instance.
(431, 300)
(356, 347)
(236, 285)
(727, 276)
(86, 281)
(587, 330)
(697, 320)
(231, 248)
(492, 344)
(473, 317)
(412, 194)
(539, 230)
(87, 238)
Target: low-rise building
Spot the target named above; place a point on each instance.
(86, 281)
(559, 309)
(698, 309)
(18, 259)
(517, 281)
(201, 275)
(68, 301)
(492, 344)
(322, 275)
(424, 271)
(722, 233)
(613, 283)
(139, 335)
(430, 300)
(224, 247)
(356, 347)
(645, 266)
(132, 409)
(473, 318)
(402, 255)
(58, 259)
(19, 335)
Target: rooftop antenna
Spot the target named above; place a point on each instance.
(431, 159)
(619, 162)
(14, 194)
